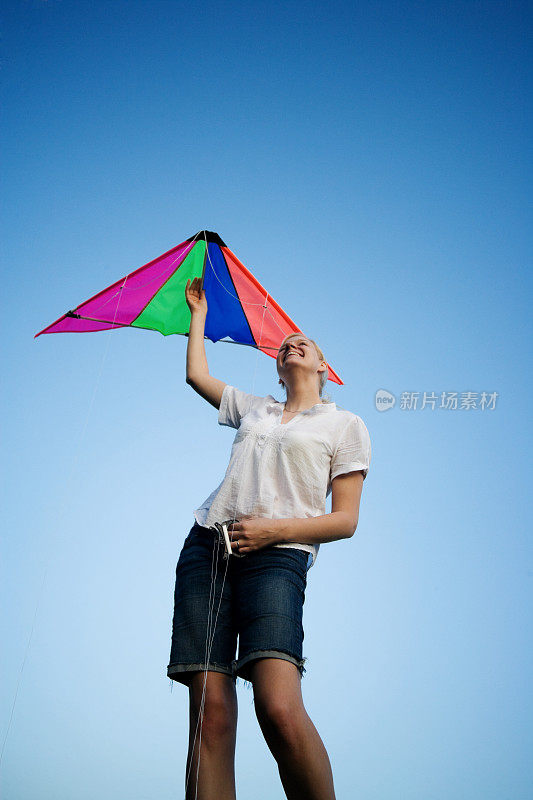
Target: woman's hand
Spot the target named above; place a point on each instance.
(195, 296)
(253, 534)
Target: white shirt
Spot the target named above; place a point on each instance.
(282, 471)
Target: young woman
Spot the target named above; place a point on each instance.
(285, 459)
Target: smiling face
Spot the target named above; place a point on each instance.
(298, 352)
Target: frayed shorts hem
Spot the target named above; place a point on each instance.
(180, 672)
(241, 667)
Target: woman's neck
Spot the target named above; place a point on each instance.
(301, 397)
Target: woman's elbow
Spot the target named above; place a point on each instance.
(349, 526)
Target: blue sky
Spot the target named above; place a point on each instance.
(369, 163)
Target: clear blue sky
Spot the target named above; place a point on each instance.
(371, 164)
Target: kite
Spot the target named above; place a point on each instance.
(240, 310)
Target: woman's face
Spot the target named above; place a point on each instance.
(297, 352)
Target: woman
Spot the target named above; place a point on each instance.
(284, 460)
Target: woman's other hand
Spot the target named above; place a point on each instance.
(253, 534)
(195, 296)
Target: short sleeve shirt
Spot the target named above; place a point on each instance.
(282, 471)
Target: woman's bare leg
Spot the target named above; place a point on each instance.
(302, 760)
(216, 745)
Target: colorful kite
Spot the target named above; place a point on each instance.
(240, 310)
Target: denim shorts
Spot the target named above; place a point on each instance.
(257, 601)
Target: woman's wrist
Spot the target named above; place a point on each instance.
(280, 530)
(312, 530)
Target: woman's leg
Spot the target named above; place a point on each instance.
(293, 740)
(212, 737)
(203, 597)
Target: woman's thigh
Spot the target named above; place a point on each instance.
(269, 594)
(203, 632)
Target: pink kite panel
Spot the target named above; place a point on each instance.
(123, 301)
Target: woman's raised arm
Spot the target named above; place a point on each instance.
(197, 369)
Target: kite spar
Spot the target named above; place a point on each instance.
(240, 310)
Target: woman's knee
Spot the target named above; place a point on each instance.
(282, 717)
(219, 716)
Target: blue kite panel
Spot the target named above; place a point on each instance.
(225, 316)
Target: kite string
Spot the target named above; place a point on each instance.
(231, 294)
(247, 302)
(154, 277)
(211, 633)
(208, 657)
(207, 653)
(71, 473)
(207, 650)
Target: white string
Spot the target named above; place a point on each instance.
(154, 277)
(247, 303)
(71, 473)
(207, 654)
(231, 294)
(211, 624)
(207, 650)
(168, 267)
(210, 636)
(236, 297)
(208, 658)
(209, 639)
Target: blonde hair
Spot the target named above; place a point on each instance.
(322, 376)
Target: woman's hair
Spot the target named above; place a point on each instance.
(323, 376)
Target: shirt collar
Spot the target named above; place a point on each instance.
(318, 408)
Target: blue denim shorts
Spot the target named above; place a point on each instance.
(257, 602)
